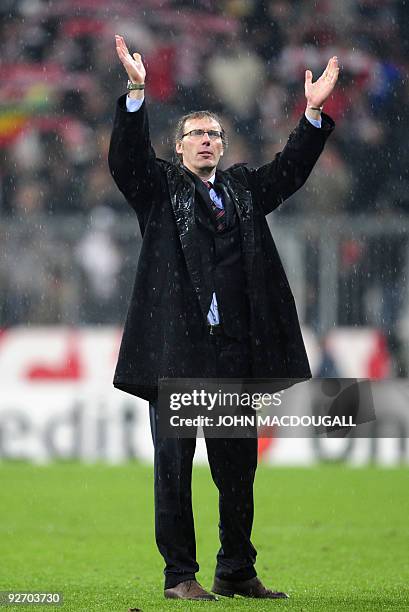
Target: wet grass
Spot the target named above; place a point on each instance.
(333, 537)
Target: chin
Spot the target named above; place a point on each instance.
(207, 164)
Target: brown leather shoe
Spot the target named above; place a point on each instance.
(190, 589)
(247, 588)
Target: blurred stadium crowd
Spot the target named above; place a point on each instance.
(244, 59)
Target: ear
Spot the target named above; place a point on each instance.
(179, 147)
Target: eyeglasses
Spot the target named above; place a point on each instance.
(213, 134)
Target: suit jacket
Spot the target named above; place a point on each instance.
(165, 329)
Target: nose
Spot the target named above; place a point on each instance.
(206, 138)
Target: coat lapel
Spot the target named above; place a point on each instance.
(182, 193)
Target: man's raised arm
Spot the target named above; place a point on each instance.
(278, 180)
(131, 157)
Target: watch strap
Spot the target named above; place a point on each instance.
(132, 86)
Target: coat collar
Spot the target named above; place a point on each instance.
(181, 179)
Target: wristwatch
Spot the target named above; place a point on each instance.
(131, 86)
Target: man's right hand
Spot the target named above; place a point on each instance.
(133, 65)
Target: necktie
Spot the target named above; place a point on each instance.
(218, 213)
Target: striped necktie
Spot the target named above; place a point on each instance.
(218, 213)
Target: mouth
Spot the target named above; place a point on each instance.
(205, 154)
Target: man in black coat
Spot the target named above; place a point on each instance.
(211, 299)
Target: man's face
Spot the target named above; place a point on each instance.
(200, 154)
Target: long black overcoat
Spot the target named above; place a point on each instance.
(165, 329)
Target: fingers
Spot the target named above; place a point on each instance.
(137, 57)
(123, 53)
(121, 48)
(330, 73)
(120, 43)
(132, 63)
(308, 76)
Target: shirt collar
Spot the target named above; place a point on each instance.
(210, 180)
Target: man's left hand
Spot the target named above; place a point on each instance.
(316, 93)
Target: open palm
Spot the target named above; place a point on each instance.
(316, 93)
(132, 64)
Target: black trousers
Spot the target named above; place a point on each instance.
(233, 464)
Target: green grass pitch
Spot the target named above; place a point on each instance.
(333, 537)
